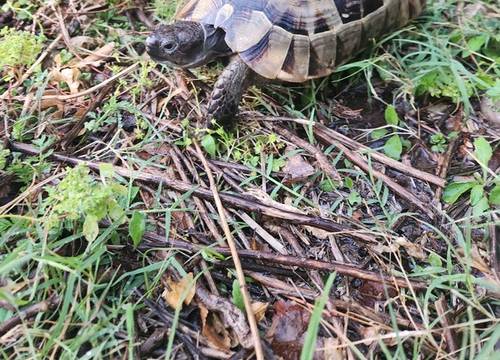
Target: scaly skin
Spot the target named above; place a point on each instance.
(228, 90)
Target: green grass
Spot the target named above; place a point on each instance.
(312, 330)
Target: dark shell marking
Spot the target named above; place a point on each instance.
(352, 10)
(297, 40)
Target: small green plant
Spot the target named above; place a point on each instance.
(137, 227)
(393, 147)
(247, 150)
(114, 112)
(494, 91)
(166, 9)
(479, 198)
(443, 82)
(27, 169)
(18, 48)
(24, 9)
(237, 296)
(209, 144)
(439, 141)
(79, 197)
(4, 154)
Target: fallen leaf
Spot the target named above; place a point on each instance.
(48, 103)
(381, 248)
(371, 333)
(68, 75)
(231, 316)
(176, 290)
(371, 292)
(214, 330)
(259, 309)
(477, 261)
(82, 41)
(157, 149)
(357, 215)
(414, 250)
(297, 169)
(166, 100)
(97, 57)
(316, 232)
(287, 330)
(491, 111)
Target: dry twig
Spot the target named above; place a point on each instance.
(43, 306)
(234, 253)
(232, 200)
(302, 263)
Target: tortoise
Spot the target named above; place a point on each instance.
(288, 40)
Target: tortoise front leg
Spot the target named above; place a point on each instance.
(228, 90)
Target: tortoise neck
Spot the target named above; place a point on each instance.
(214, 44)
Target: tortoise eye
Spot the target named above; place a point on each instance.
(169, 45)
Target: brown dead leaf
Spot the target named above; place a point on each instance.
(357, 215)
(259, 310)
(175, 291)
(382, 248)
(214, 330)
(95, 59)
(477, 261)
(297, 169)
(48, 103)
(287, 330)
(157, 149)
(491, 111)
(370, 293)
(66, 75)
(371, 333)
(232, 317)
(414, 250)
(82, 41)
(316, 232)
(166, 100)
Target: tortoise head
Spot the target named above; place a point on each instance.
(186, 44)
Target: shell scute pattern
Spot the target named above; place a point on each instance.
(297, 40)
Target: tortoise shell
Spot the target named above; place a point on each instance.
(297, 40)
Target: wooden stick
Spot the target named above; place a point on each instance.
(287, 260)
(259, 353)
(233, 200)
(353, 144)
(321, 158)
(43, 306)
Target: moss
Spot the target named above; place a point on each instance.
(18, 48)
